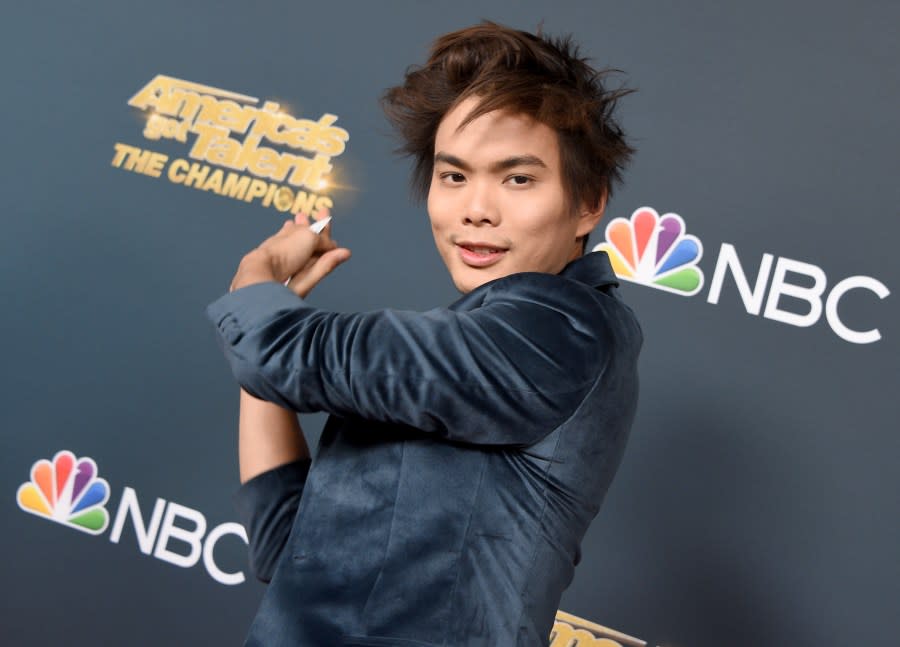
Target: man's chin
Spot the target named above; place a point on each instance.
(468, 280)
(464, 287)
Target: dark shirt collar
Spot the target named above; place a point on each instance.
(593, 268)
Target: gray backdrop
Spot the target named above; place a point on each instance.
(758, 500)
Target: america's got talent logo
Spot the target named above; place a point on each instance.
(238, 148)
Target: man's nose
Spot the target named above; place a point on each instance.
(480, 208)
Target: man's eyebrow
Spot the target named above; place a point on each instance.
(517, 160)
(501, 165)
(452, 160)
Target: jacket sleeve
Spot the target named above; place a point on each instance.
(504, 373)
(266, 506)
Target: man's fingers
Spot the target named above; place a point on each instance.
(312, 261)
(322, 267)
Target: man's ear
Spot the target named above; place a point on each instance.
(589, 217)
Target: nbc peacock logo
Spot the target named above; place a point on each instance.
(653, 250)
(66, 490)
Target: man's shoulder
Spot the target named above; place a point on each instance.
(596, 311)
(535, 284)
(562, 293)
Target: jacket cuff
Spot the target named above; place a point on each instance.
(268, 487)
(238, 311)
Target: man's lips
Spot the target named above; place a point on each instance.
(479, 254)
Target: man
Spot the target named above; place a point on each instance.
(468, 447)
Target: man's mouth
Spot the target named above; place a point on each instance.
(478, 254)
(481, 250)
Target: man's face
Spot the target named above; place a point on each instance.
(497, 202)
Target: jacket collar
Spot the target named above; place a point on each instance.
(593, 268)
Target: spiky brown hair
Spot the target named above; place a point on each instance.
(518, 72)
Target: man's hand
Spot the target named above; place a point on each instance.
(294, 251)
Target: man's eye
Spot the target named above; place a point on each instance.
(519, 180)
(453, 178)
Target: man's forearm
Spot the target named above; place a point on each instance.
(269, 436)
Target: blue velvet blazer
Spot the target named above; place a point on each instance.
(467, 451)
